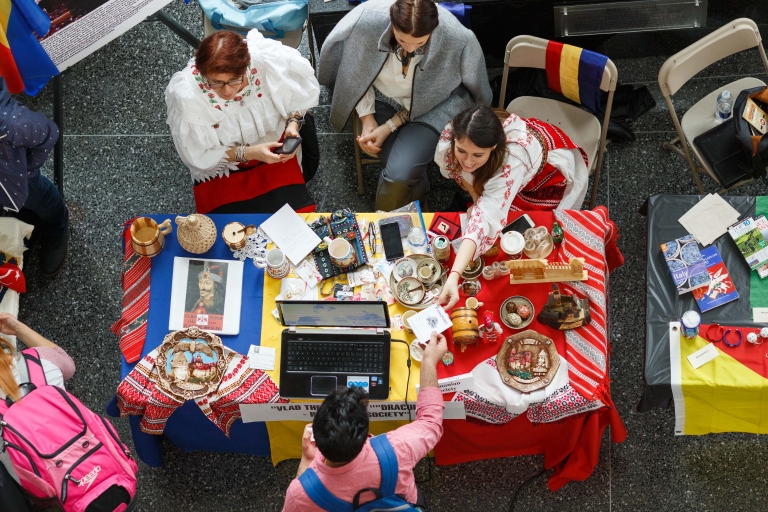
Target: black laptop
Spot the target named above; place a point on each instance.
(328, 344)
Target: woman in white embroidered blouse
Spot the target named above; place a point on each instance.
(518, 164)
(229, 109)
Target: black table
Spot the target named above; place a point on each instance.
(664, 305)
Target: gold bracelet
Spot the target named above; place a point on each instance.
(322, 288)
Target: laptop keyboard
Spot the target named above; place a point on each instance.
(335, 357)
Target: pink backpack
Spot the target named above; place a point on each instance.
(63, 455)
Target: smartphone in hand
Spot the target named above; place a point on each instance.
(289, 146)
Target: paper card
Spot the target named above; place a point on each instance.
(456, 383)
(308, 273)
(377, 411)
(433, 318)
(703, 356)
(291, 234)
(261, 358)
(360, 277)
(760, 314)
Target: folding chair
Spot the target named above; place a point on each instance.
(357, 130)
(579, 124)
(739, 35)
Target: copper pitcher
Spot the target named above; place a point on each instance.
(148, 237)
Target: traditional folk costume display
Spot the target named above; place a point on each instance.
(204, 127)
(544, 170)
(140, 395)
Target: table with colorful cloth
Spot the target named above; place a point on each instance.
(727, 394)
(567, 427)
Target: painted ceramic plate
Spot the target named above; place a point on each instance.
(431, 292)
(510, 306)
(410, 291)
(404, 267)
(435, 269)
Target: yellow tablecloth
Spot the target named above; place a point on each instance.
(285, 436)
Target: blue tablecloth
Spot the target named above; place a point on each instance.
(188, 428)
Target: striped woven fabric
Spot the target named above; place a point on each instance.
(131, 328)
(576, 74)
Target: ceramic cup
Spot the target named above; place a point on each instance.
(473, 303)
(148, 237)
(275, 262)
(513, 243)
(425, 273)
(408, 314)
(340, 252)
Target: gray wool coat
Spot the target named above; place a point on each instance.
(450, 78)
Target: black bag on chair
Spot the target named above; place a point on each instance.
(754, 143)
(310, 148)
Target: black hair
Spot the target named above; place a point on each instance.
(340, 426)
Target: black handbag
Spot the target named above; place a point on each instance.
(310, 148)
(754, 144)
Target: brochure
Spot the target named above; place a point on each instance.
(721, 289)
(750, 242)
(686, 266)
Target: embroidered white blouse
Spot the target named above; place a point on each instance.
(204, 126)
(391, 83)
(524, 152)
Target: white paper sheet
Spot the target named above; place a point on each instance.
(261, 358)
(702, 356)
(291, 234)
(433, 318)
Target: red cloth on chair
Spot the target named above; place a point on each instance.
(571, 445)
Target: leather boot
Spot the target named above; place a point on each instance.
(53, 251)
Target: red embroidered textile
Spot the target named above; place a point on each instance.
(255, 188)
(547, 188)
(568, 437)
(131, 328)
(139, 395)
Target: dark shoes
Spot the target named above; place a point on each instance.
(53, 251)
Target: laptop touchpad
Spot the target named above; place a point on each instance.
(322, 385)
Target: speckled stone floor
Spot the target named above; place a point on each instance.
(120, 161)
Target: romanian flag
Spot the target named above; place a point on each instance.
(23, 61)
(576, 74)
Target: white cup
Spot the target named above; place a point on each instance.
(276, 263)
(340, 251)
(513, 243)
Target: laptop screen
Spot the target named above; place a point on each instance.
(343, 313)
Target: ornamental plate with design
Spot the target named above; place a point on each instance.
(527, 361)
(190, 363)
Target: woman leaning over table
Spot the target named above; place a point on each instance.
(407, 67)
(506, 163)
(229, 109)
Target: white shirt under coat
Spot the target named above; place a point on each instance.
(391, 83)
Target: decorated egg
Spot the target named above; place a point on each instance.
(752, 337)
(524, 311)
(514, 319)
(764, 332)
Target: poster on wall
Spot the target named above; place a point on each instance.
(80, 27)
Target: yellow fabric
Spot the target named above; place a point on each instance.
(5, 13)
(569, 72)
(723, 395)
(285, 436)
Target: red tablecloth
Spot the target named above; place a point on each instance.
(571, 446)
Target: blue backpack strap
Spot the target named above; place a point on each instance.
(387, 463)
(320, 495)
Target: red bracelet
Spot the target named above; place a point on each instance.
(719, 332)
(456, 272)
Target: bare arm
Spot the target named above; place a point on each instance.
(450, 294)
(10, 325)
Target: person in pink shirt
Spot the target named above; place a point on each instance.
(341, 454)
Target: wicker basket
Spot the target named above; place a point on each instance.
(196, 233)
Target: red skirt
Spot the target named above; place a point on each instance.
(255, 187)
(547, 188)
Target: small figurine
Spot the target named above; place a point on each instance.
(489, 330)
(564, 312)
(557, 233)
(524, 311)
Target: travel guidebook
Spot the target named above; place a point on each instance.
(750, 241)
(686, 266)
(721, 289)
(206, 294)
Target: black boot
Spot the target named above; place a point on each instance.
(53, 250)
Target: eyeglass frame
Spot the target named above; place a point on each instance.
(220, 85)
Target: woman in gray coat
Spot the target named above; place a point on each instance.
(407, 67)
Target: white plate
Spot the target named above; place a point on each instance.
(417, 353)
(404, 267)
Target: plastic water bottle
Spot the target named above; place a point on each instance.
(724, 107)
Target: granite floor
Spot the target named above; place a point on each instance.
(120, 161)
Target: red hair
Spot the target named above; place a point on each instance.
(223, 52)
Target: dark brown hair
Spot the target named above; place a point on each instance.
(417, 18)
(223, 52)
(482, 126)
